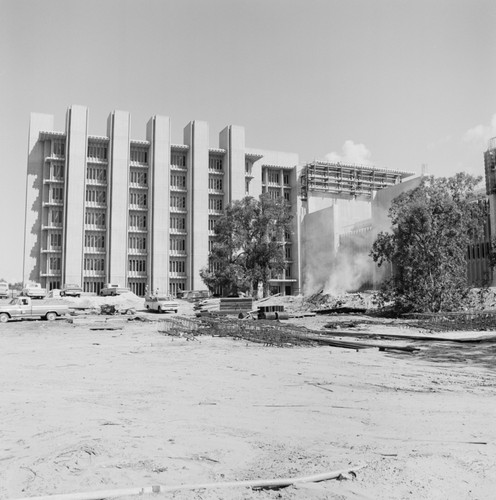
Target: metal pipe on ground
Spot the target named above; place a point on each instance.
(255, 484)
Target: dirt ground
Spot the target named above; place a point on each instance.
(85, 410)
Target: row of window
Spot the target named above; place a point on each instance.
(56, 194)
(94, 241)
(137, 242)
(58, 148)
(137, 265)
(178, 159)
(211, 223)
(139, 177)
(137, 221)
(138, 199)
(57, 171)
(55, 240)
(215, 163)
(97, 151)
(178, 223)
(94, 264)
(139, 155)
(94, 173)
(216, 183)
(177, 266)
(95, 195)
(54, 263)
(216, 203)
(56, 217)
(177, 244)
(178, 181)
(178, 201)
(93, 218)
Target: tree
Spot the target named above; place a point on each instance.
(248, 246)
(432, 227)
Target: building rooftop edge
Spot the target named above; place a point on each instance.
(354, 166)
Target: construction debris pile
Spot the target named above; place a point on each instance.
(346, 303)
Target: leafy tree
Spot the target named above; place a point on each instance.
(248, 245)
(432, 227)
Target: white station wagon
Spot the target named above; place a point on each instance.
(161, 303)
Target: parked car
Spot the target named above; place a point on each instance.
(23, 307)
(194, 295)
(71, 291)
(4, 290)
(34, 291)
(113, 290)
(161, 303)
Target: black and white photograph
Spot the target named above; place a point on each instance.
(248, 249)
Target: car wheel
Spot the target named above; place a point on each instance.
(50, 316)
(62, 294)
(4, 317)
(148, 307)
(159, 309)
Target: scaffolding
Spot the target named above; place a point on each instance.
(346, 179)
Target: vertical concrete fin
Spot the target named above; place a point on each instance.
(158, 133)
(196, 136)
(74, 195)
(119, 125)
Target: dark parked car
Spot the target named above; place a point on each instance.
(71, 291)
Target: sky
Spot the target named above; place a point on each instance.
(392, 83)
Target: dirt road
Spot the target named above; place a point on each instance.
(85, 410)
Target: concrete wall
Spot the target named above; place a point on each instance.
(383, 199)
(34, 189)
(74, 194)
(196, 136)
(119, 131)
(319, 241)
(158, 133)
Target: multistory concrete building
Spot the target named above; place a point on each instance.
(141, 213)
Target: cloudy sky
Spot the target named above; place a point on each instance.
(393, 83)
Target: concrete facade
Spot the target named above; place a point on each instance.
(141, 213)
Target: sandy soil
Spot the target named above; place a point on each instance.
(86, 410)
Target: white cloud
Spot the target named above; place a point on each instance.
(351, 153)
(480, 134)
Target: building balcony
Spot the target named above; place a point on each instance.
(53, 203)
(137, 251)
(136, 274)
(45, 227)
(96, 182)
(136, 185)
(178, 231)
(136, 164)
(178, 253)
(92, 227)
(51, 250)
(176, 210)
(50, 273)
(139, 230)
(98, 251)
(93, 274)
(215, 172)
(178, 189)
(95, 204)
(177, 275)
(53, 180)
(138, 208)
